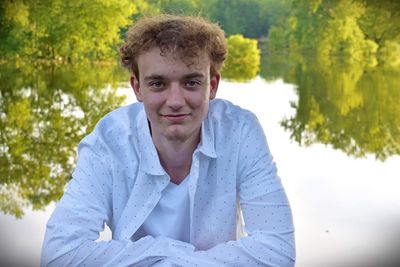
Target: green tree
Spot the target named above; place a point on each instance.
(241, 17)
(380, 21)
(359, 30)
(54, 29)
(178, 7)
(243, 60)
(44, 112)
(331, 28)
(14, 18)
(349, 106)
(381, 24)
(250, 18)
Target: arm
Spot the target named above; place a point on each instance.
(80, 216)
(266, 213)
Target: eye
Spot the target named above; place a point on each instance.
(156, 84)
(192, 83)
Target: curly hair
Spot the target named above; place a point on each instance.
(181, 36)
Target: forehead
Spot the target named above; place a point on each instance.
(155, 61)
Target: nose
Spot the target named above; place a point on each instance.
(175, 98)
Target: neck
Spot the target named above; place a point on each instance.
(176, 156)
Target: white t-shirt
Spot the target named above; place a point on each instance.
(171, 216)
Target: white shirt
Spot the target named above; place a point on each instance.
(119, 180)
(171, 216)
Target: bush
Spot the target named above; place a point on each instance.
(243, 62)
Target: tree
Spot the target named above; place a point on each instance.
(380, 21)
(63, 29)
(331, 28)
(243, 60)
(241, 17)
(359, 30)
(349, 106)
(381, 24)
(44, 112)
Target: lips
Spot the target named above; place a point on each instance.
(176, 117)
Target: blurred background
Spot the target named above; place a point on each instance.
(322, 76)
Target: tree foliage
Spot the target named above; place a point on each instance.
(241, 17)
(54, 29)
(44, 112)
(251, 18)
(359, 30)
(349, 106)
(243, 60)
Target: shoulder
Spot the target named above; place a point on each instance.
(229, 124)
(225, 112)
(123, 117)
(117, 125)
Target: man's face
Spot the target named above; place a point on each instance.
(175, 95)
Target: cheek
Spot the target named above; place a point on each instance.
(152, 101)
(151, 109)
(202, 108)
(198, 100)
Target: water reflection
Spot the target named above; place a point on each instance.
(44, 112)
(352, 106)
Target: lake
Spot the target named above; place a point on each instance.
(333, 128)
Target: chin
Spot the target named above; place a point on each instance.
(177, 137)
(177, 134)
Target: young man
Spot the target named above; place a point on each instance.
(173, 174)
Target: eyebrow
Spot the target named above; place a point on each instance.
(187, 76)
(194, 75)
(153, 77)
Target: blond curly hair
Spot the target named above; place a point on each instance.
(181, 36)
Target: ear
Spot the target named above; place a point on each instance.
(214, 82)
(136, 87)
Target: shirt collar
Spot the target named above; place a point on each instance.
(207, 140)
(149, 160)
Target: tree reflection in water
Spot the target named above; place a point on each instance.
(45, 110)
(352, 106)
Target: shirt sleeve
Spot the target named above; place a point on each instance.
(266, 213)
(79, 217)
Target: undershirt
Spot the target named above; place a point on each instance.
(171, 216)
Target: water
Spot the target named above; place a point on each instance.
(333, 131)
(346, 209)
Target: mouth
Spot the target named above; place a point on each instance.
(176, 117)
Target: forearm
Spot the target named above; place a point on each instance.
(144, 252)
(73, 229)
(62, 248)
(262, 249)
